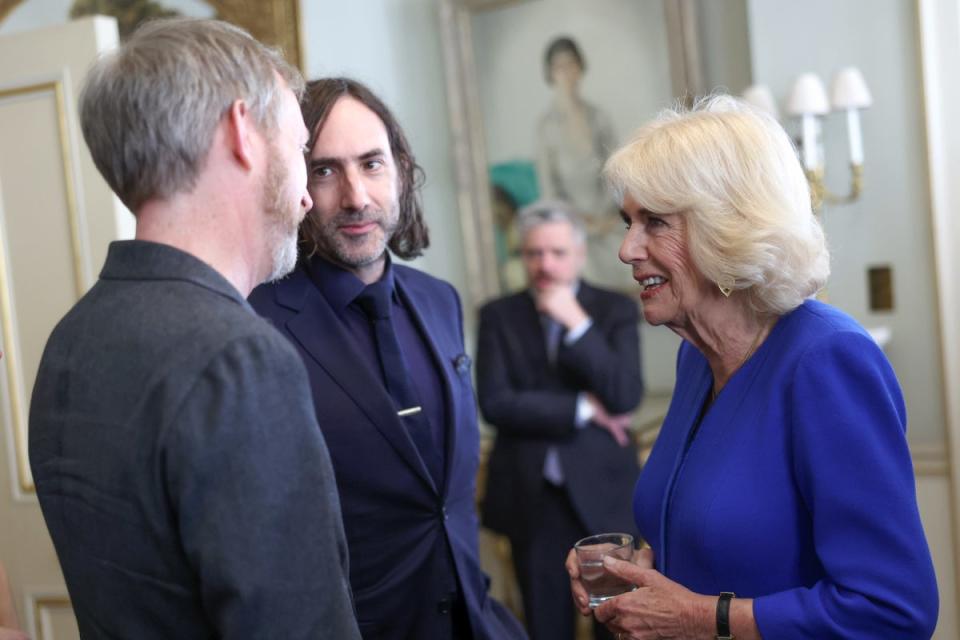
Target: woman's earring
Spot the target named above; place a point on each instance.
(726, 287)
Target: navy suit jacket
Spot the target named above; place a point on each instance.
(399, 523)
(532, 404)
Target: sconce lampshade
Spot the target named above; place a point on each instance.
(760, 96)
(808, 96)
(848, 90)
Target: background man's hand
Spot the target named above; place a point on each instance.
(560, 303)
(617, 425)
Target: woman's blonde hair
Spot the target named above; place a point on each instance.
(733, 172)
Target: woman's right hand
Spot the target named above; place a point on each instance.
(643, 558)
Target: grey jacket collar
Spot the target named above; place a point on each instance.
(142, 260)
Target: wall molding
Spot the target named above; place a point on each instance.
(16, 385)
(938, 25)
(930, 460)
(40, 604)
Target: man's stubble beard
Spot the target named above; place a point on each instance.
(281, 219)
(351, 253)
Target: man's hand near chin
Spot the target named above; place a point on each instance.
(560, 303)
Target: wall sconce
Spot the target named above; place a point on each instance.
(808, 101)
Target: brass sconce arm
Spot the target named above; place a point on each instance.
(820, 194)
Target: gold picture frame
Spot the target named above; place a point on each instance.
(273, 22)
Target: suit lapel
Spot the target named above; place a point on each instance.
(587, 299)
(416, 301)
(530, 338)
(319, 331)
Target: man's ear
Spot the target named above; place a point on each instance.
(239, 132)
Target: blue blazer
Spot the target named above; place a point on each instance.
(797, 489)
(398, 522)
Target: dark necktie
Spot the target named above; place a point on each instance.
(553, 332)
(375, 302)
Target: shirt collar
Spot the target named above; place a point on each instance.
(339, 286)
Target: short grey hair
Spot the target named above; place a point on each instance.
(150, 108)
(734, 173)
(546, 211)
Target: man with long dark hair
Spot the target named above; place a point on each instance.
(383, 345)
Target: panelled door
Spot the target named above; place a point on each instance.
(57, 216)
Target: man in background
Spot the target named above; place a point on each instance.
(383, 345)
(176, 455)
(558, 375)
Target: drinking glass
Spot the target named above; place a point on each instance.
(600, 584)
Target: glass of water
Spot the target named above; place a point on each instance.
(600, 584)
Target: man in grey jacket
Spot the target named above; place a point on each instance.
(173, 442)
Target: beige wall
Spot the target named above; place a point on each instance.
(939, 25)
(891, 224)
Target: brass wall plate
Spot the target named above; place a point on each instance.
(880, 283)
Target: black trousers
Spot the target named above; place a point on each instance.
(539, 563)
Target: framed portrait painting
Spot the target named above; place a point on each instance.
(540, 92)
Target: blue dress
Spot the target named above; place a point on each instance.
(797, 489)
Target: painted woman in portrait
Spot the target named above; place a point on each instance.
(574, 138)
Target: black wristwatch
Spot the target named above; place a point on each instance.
(723, 615)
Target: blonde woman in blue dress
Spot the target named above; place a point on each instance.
(779, 499)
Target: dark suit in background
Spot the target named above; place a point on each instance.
(413, 538)
(532, 403)
(177, 456)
